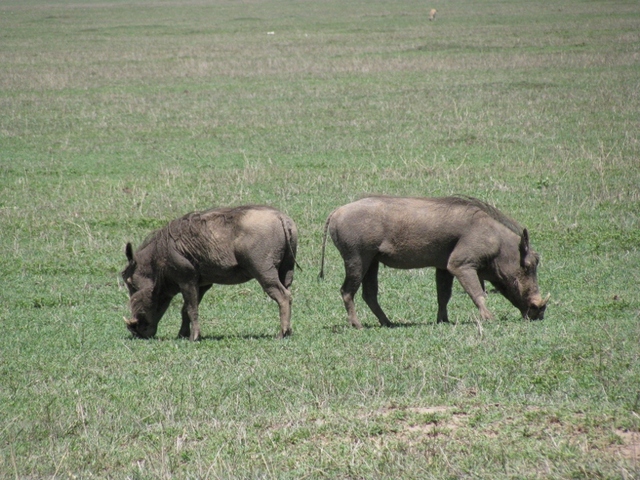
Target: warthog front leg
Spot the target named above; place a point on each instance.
(468, 278)
(190, 294)
(185, 327)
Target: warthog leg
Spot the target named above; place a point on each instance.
(444, 285)
(285, 276)
(192, 297)
(370, 293)
(361, 268)
(284, 299)
(347, 298)
(278, 292)
(185, 327)
(350, 286)
(468, 278)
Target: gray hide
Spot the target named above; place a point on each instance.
(461, 237)
(221, 246)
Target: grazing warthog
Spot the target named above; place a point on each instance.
(225, 246)
(461, 237)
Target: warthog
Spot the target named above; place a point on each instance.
(224, 246)
(461, 237)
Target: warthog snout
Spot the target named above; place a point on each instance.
(140, 328)
(536, 309)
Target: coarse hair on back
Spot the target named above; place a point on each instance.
(185, 226)
(493, 212)
(469, 202)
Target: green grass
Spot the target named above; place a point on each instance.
(119, 116)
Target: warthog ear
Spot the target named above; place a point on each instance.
(524, 246)
(128, 250)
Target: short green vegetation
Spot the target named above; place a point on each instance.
(116, 117)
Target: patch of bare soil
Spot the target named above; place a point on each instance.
(629, 449)
(414, 422)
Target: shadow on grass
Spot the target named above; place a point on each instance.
(346, 327)
(338, 328)
(396, 325)
(246, 336)
(206, 338)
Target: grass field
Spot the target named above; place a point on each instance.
(118, 116)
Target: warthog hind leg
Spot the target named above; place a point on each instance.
(444, 285)
(269, 280)
(370, 293)
(348, 291)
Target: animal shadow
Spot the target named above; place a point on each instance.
(206, 338)
(247, 336)
(373, 326)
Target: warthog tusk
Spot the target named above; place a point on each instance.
(127, 321)
(544, 302)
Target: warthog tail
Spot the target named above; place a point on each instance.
(324, 244)
(288, 234)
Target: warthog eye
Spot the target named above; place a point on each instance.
(130, 285)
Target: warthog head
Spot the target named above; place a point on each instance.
(143, 323)
(146, 311)
(536, 309)
(520, 287)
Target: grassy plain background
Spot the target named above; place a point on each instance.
(118, 116)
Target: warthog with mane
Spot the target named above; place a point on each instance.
(224, 246)
(461, 237)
